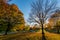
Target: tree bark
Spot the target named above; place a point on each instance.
(8, 28)
(58, 31)
(43, 34)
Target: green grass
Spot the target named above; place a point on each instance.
(30, 36)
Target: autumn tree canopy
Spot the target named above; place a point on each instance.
(10, 16)
(54, 21)
(54, 18)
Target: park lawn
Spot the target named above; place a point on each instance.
(30, 36)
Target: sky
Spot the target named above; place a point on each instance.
(25, 6)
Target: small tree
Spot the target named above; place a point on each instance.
(41, 11)
(27, 27)
(57, 26)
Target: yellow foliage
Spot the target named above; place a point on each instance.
(12, 14)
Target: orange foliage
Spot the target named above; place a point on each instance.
(12, 14)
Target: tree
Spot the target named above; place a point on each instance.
(41, 11)
(3, 12)
(10, 16)
(17, 14)
(5, 0)
(15, 18)
(54, 20)
(27, 27)
(57, 26)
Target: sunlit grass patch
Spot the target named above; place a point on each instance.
(30, 36)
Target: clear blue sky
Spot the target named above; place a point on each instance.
(25, 6)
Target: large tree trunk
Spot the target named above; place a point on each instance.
(8, 28)
(43, 34)
(58, 31)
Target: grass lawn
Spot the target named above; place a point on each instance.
(30, 36)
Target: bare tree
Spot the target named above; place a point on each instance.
(41, 11)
